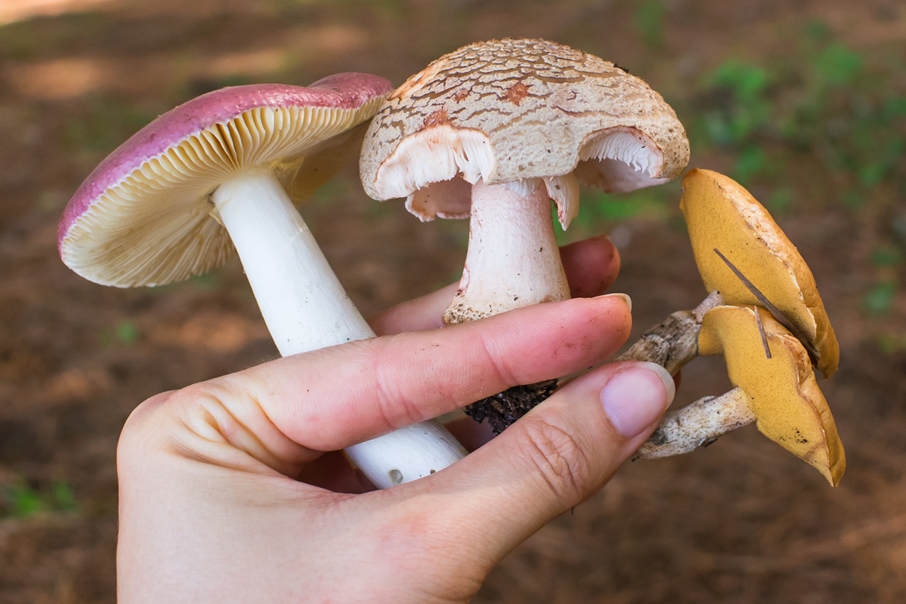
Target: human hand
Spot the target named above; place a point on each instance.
(226, 494)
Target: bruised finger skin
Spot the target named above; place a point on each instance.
(335, 397)
(591, 267)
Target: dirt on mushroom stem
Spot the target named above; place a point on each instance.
(504, 408)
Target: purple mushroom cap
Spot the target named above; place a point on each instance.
(143, 218)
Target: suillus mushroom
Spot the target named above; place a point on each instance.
(223, 171)
(787, 321)
(745, 259)
(722, 215)
(775, 388)
(494, 131)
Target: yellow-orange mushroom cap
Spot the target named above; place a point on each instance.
(722, 215)
(782, 390)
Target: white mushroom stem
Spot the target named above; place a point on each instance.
(698, 424)
(303, 303)
(305, 308)
(513, 259)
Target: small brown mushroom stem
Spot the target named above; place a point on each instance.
(774, 386)
(512, 259)
(698, 425)
(674, 341)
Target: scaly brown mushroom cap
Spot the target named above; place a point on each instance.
(782, 391)
(722, 215)
(506, 111)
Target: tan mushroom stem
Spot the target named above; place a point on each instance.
(674, 341)
(512, 259)
(698, 424)
(306, 308)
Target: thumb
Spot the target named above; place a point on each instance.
(555, 457)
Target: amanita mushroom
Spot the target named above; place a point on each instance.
(223, 171)
(775, 388)
(495, 130)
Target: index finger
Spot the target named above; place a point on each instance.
(335, 397)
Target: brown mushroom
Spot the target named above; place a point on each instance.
(495, 130)
(722, 215)
(725, 222)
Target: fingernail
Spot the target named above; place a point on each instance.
(624, 297)
(637, 396)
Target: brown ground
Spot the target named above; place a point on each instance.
(741, 521)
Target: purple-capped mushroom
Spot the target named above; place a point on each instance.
(223, 171)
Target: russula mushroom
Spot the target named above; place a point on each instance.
(494, 131)
(775, 388)
(223, 171)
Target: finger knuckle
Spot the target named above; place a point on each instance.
(132, 441)
(394, 406)
(557, 458)
(159, 420)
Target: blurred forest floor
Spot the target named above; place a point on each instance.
(804, 102)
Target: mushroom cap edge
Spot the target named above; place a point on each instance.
(344, 99)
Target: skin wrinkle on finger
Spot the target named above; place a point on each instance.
(493, 354)
(334, 406)
(559, 461)
(395, 406)
(158, 442)
(217, 413)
